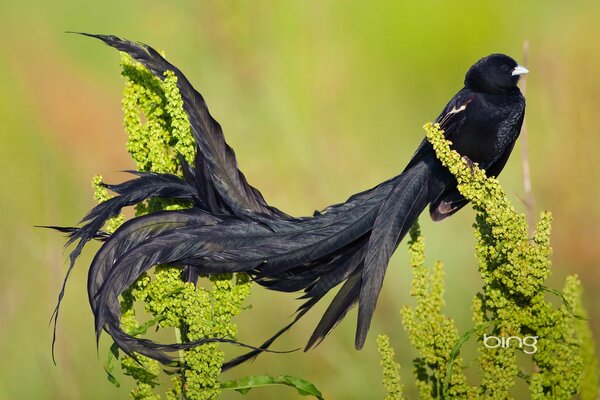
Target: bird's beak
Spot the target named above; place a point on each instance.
(519, 70)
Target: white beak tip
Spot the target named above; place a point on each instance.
(519, 70)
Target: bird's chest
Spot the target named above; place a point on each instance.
(490, 127)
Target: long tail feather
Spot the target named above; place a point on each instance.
(147, 185)
(219, 157)
(159, 351)
(72, 230)
(134, 232)
(304, 308)
(343, 301)
(399, 211)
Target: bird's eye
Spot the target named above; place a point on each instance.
(504, 67)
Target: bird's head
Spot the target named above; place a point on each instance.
(496, 73)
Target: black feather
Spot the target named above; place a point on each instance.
(147, 185)
(398, 212)
(343, 301)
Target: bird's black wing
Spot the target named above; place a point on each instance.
(450, 200)
(450, 120)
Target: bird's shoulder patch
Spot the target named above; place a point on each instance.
(458, 107)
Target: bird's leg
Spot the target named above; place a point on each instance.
(471, 165)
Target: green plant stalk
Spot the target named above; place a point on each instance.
(512, 303)
(438, 369)
(514, 267)
(391, 369)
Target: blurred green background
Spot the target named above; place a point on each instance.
(320, 99)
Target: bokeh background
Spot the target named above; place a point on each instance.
(320, 99)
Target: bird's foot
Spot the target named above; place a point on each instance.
(471, 165)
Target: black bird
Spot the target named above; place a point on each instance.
(231, 228)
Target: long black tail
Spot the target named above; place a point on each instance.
(147, 185)
(315, 254)
(364, 267)
(231, 228)
(208, 243)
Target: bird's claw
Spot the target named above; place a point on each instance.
(471, 165)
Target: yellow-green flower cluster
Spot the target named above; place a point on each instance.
(514, 267)
(438, 371)
(589, 388)
(558, 361)
(196, 313)
(101, 195)
(158, 129)
(209, 314)
(391, 369)
(154, 119)
(157, 126)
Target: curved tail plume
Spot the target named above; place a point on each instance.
(231, 228)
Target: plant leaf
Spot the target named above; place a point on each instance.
(456, 349)
(243, 385)
(565, 302)
(109, 366)
(142, 329)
